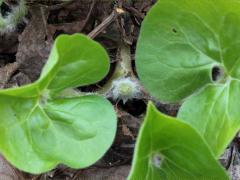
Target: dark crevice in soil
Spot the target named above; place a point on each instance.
(4, 9)
(135, 107)
(6, 58)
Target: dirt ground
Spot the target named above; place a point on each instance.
(113, 23)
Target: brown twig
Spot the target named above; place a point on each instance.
(77, 174)
(52, 7)
(89, 14)
(135, 12)
(112, 17)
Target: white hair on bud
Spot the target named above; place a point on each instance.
(125, 88)
(8, 23)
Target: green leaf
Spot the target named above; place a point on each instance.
(36, 137)
(229, 38)
(15, 143)
(180, 43)
(40, 129)
(74, 127)
(77, 61)
(214, 113)
(168, 148)
(189, 51)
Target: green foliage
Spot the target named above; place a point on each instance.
(181, 42)
(168, 148)
(39, 129)
(188, 51)
(214, 113)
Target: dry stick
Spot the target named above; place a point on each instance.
(135, 12)
(112, 17)
(76, 175)
(60, 6)
(89, 14)
(51, 8)
(44, 20)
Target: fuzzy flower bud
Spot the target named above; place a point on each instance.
(8, 23)
(125, 89)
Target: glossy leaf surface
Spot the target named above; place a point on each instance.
(181, 41)
(188, 51)
(39, 129)
(192, 55)
(78, 66)
(168, 148)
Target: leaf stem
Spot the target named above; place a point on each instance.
(123, 68)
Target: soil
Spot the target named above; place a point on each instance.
(24, 51)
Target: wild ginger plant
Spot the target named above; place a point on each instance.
(188, 52)
(42, 124)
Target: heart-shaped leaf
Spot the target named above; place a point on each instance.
(40, 129)
(189, 50)
(168, 148)
(177, 52)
